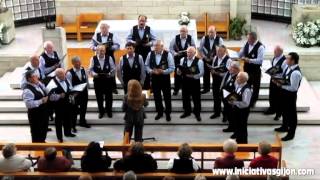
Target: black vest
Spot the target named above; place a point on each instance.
(279, 63)
(223, 62)
(163, 62)
(287, 77)
(129, 73)
(247, 86)
(229, 85)
(109, 42)
(249, 67)
(40, 75)
(186, 45)
(182, 166)
(59, 90)
(136, 37)
(97, 68)
(75, 78)
(37, 96)
(193, 69)
(211, 50)
(49, 62)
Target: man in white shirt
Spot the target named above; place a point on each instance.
(10, 162)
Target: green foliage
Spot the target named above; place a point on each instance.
(236, 28)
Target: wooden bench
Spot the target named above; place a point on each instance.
(201, 24)
(70, 28)
(118, 175)
(87, 24)
(221, 22)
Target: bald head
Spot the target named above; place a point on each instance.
(183, 31)
(212, 31)
(278, 51)
(242, 77)
(60, 73)
(264, 148)
(191, 52)
(34, 61)
(104, 29)
(230, 146)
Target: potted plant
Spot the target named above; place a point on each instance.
(236, 28)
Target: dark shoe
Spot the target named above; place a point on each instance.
(101, 115)
(49, 129)
(74, 130)
(277, 117)
(70, 135)
(215, 115)
(269, 111)
(204, 91)
(227, 130)
(168, 117)
(233, 136)
(224, 119)
(175, 93)
(109, 115)
(184, 115)
(85, 125)
(158, 116)
(281, 129)
(115, 91)
(60, 140)
(198, 118)
(287, 137)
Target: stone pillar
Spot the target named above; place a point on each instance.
(241, 8)
(58, 37)
(7, 19)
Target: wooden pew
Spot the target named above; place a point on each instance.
(221, 22)
(87, 24)
(70, 28)
(201, 25)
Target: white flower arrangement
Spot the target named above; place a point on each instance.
(184, 18)
(307, 34)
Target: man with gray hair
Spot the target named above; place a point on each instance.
(227, 84)
(278, 64)
(159, 64)
(77, 75)
(229, 160)
(253, 54)
(11, 162)
(130, 175)
(178, 48)
(265, 160)
(241, 107)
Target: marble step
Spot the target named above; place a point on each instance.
(15, 94)
(207, 106)
(117, 119)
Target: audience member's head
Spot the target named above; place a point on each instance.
(50, 154)
(34, 61)
(184, 151)
(85, 177)
(136, 149)
(252, 37)
(191, 52)
(61, 74)
(9, 150)
(232, 177)
(264, 148)
(200, 177)
(76, 62)
(278, 51)
(93, 150)
(130, 175)
(292, 58)
(242, 77)
(230, 146)
(212, 31)
(168, 178)
(48, 47)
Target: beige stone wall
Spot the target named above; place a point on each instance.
(159, 9)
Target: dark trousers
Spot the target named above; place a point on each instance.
(161, 83)
(254, 80)
(103, 90)
(64, 114)
(275, 98)
(80, 108)
(289, 111)
(144, 51)
(138, 129)
(216, 82)
(206, 77)
(240, 118)
(227, 114)
(177, 78)
(191, 88)
(38, 120)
